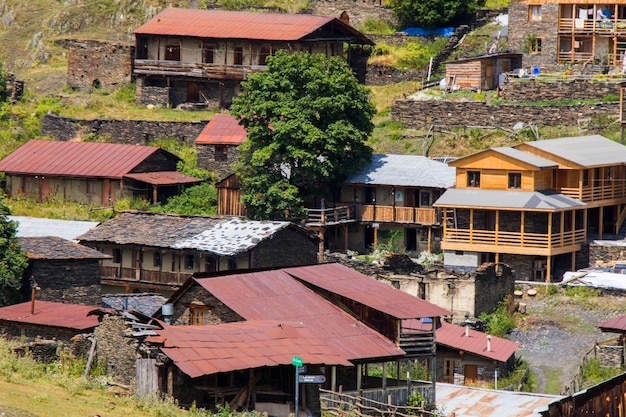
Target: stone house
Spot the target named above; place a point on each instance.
(199, 57)
(92, 172)
(217, 144)
(555, 32)
(533, 206)
(94, 65)
(61, 270)
(157, 252)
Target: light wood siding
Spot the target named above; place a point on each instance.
(467, 75)
(543, 179)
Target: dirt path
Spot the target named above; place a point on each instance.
(557, 332)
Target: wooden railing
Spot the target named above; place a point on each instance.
(144, 275)
(390, 214)
(331, 215)
(587, 194)
(517, 239)
(575, 56)
(592, 25)
(195, 69)
(418, 343)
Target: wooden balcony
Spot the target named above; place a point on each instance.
(603, 193)
(592, 26)
(371, 213)
(195, 69)
(513, 242)
(572, 56)
(125, 275)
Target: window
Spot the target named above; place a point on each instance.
(264, 52)
(534, 13)
(117, 256)
(424, 199)
(608, 175)
(208, 54)
(172, 52)
(91, 187)
(238, 56)
(532, 44)
(189, 261)
(221, 153)
(585, 178)
(515, 180)
(157, 259)
(199, 315)
(473, 179)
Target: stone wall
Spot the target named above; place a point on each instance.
(217, 311)
(286, 248)
(206, 159)
(93, 64)
(115, 345)
(416, 114)
(358, 10)
(493, 282)
(610, 356)
(555, 91)
(520, 27)
(605, 252)
(134, 132)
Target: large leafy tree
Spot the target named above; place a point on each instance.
(307, 119)
(435, 13)
(13, 261)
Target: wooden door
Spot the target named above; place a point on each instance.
(471, 374)
(193, 93)
(45, 189)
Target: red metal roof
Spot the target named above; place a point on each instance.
(221, 24)
(46, 313)
(454, 337)
(205, 350)
(163, 178)
(341, 280)
(276, 295)
(79, 159)
(614, 325)
(223, 129)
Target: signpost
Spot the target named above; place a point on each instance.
(297, 362)
(312, 379)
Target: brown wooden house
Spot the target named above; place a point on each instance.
(92, 172)
(534, 205)
(480, 72)
(200, 57)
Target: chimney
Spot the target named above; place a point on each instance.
(467, 330)
(488, 343)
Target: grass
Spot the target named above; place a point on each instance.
(553, 381)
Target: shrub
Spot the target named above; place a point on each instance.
(501, 321)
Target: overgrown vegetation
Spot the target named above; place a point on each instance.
(594, 373)
(502, 320)
(413, 55)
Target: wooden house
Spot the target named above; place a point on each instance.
(394, 194)
(533, 206)
(92, 173)
(200, 57)
(217, 144)
(480, 72)
(249, 326)
(229, 197)
(552, 32)
(158, 252)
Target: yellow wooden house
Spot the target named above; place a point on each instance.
(533, 206)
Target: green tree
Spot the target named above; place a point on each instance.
(307, 119)
(197, 200)
(13, 261)
(435, 13)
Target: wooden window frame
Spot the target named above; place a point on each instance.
(190, 261)
(208, 53)
(534, 12)
(156, 259)
(221, 153)
(198, 315)
(473, 179)
(515, 180)
(117, 256)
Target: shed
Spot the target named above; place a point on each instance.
(481, 72)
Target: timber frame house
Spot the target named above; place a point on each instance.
(568, 31)
(534, 205)
(200, 57)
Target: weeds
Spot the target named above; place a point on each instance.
(502, 320)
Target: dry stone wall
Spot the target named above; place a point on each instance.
(560, 90)
(93, 64)
(358, 10)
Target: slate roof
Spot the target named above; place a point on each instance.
(54, 247)
(586, 151)
(505, 199)
(222, 24)
(66, 229)
(225, 236)
(145, 303)
(46, 313)
(405, 171)
(223, 129)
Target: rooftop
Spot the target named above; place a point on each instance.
(46, 313)
(54, 247)
(505, 199)
(223, 129)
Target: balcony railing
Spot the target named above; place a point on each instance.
(371, 213)
(142, 275)
(515, 239)
(195, 69)
(575, 56)
(587, 194)
(592, 25)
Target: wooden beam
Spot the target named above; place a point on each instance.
(549, 269)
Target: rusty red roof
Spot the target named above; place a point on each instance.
(223, 129)
(46, 313)
(276, 295)
(347, 282)
(614, 325)
(474, 342)
(222, 24)
(79, 159)
(205, 350)
(163, 178)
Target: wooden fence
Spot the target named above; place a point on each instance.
(344, 405)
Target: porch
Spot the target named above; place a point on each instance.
(371, 213)
(600, 193)
(194, 69)
(122, 275)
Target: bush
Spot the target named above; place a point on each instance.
(502, 320)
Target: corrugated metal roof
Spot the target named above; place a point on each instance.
(46, 313)
(586, 151)
(222, 24)
(223, 236)
(504, 199)
(406, 171)
(163, 178)
(526, 157)
(347, 282)
(205, 350)
(54, 247)
(614, 325)
(223, 129)
(477, 402)
(66, 229)
(79, 159)
(454, 337)
(276, 295)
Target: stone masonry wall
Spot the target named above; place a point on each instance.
(415, 114)
(279, 250)
(206, 159)
(520, 27)
(116, 345)
(218, 312)
(610, 356)
(569, 90)
(605, 252)
(358, 10)
(93, 64)
(134, 132)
